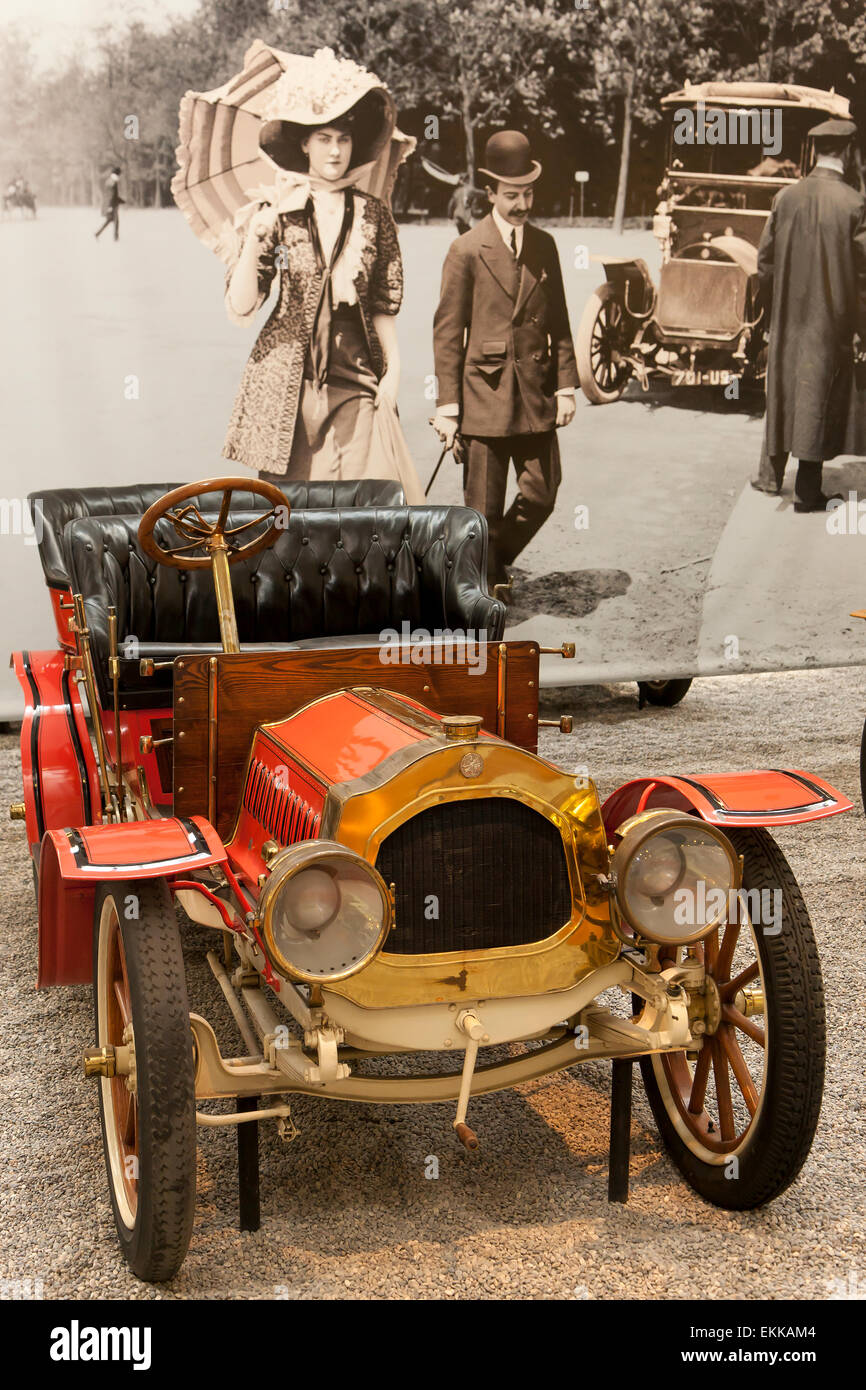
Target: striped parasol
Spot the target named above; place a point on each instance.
(442, 175)
(235, 140)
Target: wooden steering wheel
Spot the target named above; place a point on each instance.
(206, 534)
(223, 544)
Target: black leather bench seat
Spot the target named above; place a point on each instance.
(334, 577)
(53, 508)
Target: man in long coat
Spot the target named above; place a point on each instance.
(812, 273)
(504, 355)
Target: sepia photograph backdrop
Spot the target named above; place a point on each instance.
(120, 364)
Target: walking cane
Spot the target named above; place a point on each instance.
(435, 471)
(454, 446)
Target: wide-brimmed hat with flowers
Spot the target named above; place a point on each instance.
(237, 141)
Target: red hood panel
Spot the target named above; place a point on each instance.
(344, 736)
(296, 761)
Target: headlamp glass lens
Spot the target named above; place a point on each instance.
(327, 920)
(657, 868)
(311, 899)
(678, 883)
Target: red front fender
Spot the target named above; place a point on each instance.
(72, 864)
(768, 797)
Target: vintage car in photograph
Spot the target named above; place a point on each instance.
(703, 323)
(288, 716)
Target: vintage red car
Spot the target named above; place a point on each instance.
(731, 147)
(291, 714)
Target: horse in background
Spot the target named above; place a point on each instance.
(20, 195)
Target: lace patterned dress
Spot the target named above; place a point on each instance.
(282, 423)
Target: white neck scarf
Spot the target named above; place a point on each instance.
(289, 193)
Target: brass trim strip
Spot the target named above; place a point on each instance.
(212, 732)
(82, 635)
(501, 686)
(114, 668)
(339, 793)
(224, 597)
(150, 812)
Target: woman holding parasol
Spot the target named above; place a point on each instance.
(317, 398)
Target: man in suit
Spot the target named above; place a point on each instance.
(504, 356)
(812, 276)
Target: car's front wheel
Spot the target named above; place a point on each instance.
(739, 1119)
(148, 1111)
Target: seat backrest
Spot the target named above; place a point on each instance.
(53, 509)
(332, 572)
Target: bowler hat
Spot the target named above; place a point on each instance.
(508, 158)
(835, 130)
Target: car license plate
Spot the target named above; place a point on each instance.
(710, 376)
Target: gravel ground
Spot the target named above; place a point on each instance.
(347, 1210)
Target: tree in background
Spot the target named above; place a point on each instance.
(480, 63)
(18, 115)
(491, 64)
(644, 49)
(584, 74)
(804, 41)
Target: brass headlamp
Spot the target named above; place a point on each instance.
(324, 912)
(674, 876)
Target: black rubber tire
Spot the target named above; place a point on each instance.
(665, 693)
(155, 1245)
(778, 1141)
(863, 767)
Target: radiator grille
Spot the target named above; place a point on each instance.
(284, 815)
(495, 868)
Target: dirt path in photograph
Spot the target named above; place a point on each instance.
(122, 366)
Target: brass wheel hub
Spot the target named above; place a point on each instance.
(125, 1060)
(705, 1007)
(712, 1006)
(750, 1000)
(99, 1061)
(713, 1094)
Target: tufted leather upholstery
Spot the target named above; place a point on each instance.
(331, 574)
(53, 509)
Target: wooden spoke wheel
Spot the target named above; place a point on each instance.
(753, 1092)
(603, 335)
(122, 1100)
(202, 532)
(717, 1097)
(148, 1107)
